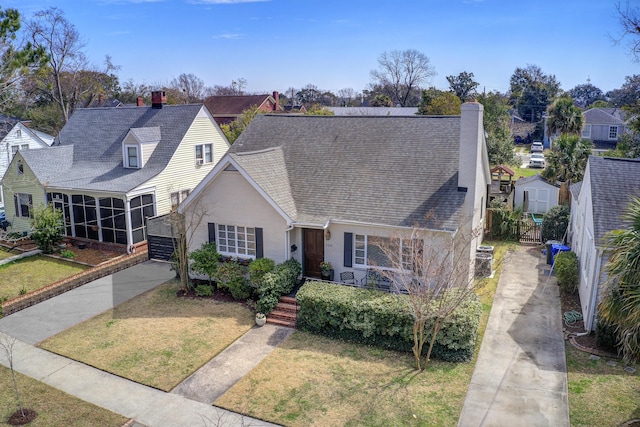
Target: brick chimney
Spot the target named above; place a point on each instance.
(140, 101)
(158, 99)
(276, 96)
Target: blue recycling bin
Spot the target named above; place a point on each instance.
(555, 249)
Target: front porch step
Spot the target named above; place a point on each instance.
(285, 313)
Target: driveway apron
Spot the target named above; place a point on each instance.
(521, 375)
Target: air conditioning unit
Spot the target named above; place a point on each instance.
(199, 162)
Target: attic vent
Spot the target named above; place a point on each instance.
(231, 168)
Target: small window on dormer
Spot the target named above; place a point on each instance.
(19, 133)
(20, 168)
(132, 157)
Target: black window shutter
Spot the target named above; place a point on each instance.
(259, 247)
(212, 232)
(348, 249)
(15, 201)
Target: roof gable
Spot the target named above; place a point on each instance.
(235, 105)
(604, 116)
(385, 170)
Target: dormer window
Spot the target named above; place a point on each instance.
(20, 168)
(133, 159)
(19, 133)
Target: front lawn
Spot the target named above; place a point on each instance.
(599, 394)
(5, 253)
(314, 380)
(156, 338)
(34, 272)
(54, 407)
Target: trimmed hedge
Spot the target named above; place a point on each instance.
(565, 265)
(383, 319)
(276, 283)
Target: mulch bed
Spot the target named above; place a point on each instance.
(16, 419)
(587, 343)
(89, 256)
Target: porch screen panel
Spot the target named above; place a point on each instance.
(85, 216)
(112, 220)
(142, 207)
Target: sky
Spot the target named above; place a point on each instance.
(278, 44)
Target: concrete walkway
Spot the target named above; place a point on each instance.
(521, 373)
(227, 368)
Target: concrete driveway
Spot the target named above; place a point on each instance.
(521, 373)
(50, 317)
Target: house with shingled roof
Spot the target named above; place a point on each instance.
(319, 188)
(111, 168)
(225, 109)
(597, 206)
(604, 126)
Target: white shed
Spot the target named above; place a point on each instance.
(534, 194)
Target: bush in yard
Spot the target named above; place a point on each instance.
(276, 283)
(257, 270)
(382, 319)
(48, 227)
(231, 275)
(205, 260)
(606, 336)
(566, 268)
(555, 223)
(203, 290)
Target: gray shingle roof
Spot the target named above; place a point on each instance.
(613, 183)
(87, 154)
(532, 178)
(382, 170)
(600, 116)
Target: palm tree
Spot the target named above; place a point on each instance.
(567, 160)
(564, 117)
(620, 304)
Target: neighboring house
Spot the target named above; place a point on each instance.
(374, 111)
(225, 109)
(15, 134)
(100, 102)
(604, 126)
(534, 194)
(318, 188)
(598, 203)
(111, 168)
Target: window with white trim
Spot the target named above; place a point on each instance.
(23, 203)
(204, 154)
(132, 157)
(18, 133)
(368, 252)
(236, 241)
(178, 197)
(613, 132)
(586, 131)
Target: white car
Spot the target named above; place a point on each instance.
(536, 146)
(536, 160)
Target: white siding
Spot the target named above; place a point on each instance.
(542, 196)
(182, 173)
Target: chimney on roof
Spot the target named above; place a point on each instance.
(139, 102)
(158, 99)
(276, 96)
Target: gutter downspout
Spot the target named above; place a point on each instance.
(594, 292)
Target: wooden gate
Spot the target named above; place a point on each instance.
(160, 238)
(530, 232)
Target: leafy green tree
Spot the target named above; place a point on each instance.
(628, 146)
(586, 94)
(497, 125)
(381, 101)
(532, 91)
(48, 226)
(318, 110)
(555, 223)
(233, 129)
(463, 86)
(620, 303)
(627, 95)
(205, 260)
(567, 160)
(564, 117)
(400, 73)
(439, 103)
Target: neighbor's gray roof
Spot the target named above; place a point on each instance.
(613, 183)
(575, 188)
(374, 111)
(601, 116)
(382, 170)
(87, 153)
(532, 178)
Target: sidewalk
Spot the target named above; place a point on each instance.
(521, 375)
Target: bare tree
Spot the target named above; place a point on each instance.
(401, 73)
(190, 87)
(433, 270)
(346, 95)
(629, 19)
(7, 343)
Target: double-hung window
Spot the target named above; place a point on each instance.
(133, 160)
(374, 251)
(236, 241)
(23, 203)
(204, 153)
(178, 197)
(613, 132)
(586, 131)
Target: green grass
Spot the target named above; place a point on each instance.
(31, 273)
(5, 253)
(54, 407)
(525, 172)
(156, 338)
(599, 394)
(311, 380)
